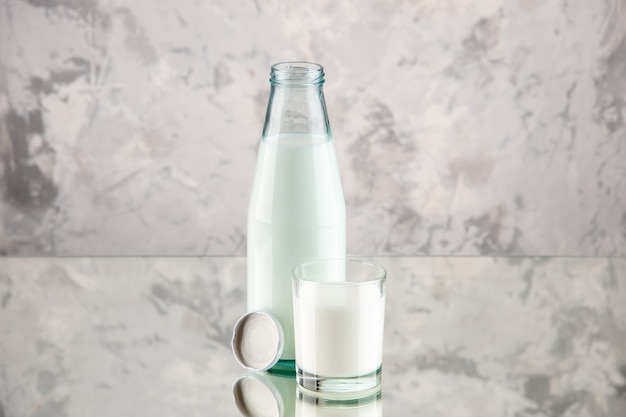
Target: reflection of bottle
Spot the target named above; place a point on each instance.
(297, 210)
(265, 395)
(370, 406)
(270, 395)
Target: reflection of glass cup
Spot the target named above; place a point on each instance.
(265, 395)
(339, 310)
(371, 406)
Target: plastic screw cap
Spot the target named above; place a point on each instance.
(258, 341)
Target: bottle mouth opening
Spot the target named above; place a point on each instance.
(297, 74)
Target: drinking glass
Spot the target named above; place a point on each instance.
(339, 311)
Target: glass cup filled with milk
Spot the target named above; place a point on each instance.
(339, 314)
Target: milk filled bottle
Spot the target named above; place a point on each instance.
(297, 210)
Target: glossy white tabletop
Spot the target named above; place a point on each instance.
(464, 336)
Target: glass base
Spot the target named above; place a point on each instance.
(284, 367)
(337, 387)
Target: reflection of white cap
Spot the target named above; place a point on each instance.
(370, 406)
(265, 395)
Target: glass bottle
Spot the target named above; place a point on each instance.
(297, 211)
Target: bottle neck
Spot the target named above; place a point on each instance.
(296, 105)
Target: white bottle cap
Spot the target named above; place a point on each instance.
(258, 341)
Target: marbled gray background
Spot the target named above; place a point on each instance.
(462, 127)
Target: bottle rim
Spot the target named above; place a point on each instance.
(297, 74)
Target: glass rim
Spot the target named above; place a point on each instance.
(381, 278)
(297, 73)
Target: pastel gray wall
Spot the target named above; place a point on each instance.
(462, 126)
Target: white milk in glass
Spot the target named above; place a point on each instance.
(339, 335)
(296, 214)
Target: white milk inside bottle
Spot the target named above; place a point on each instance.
(296, 214)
